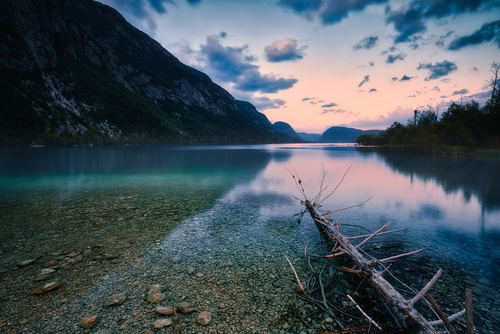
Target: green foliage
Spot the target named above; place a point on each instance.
(467, 126)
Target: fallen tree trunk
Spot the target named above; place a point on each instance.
(401, 307)
(340, 245)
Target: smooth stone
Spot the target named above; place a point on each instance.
(185, 307)
(104, 331)
(161, 310)
(46, 271)
(110, 256)
(88, 322)
(159, 324)
(26, 263)
(51, 263)
(191, 270)
(156, 297)
(156, 288)
(116, 300)
(204, 318)
(46, 288)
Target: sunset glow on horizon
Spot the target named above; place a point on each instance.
(321, 63)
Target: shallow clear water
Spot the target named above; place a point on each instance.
(450, 206)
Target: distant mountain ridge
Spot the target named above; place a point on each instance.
(341, 134)
(312, 137)
(251, 113)
(75, 72)
(286, 129)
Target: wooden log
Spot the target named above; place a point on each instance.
(441, 315)
(413, 321)
(468, 310)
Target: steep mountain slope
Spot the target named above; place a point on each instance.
(341, 134)
(286, 129)
(75, 72)
(251, 113)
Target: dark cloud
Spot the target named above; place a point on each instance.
(329, 105)
(371, 63)
(254, 81)
(328, 11)
(392, 58)
(460, 92)
(264, 102)
(438, 70)
(372, 90)
(487, 33)
(436, 88)
(411, 19)
(365, 80)
(405, 78)
(308, 98)
(366, 43)
(475, 69)
(284, 50)
(234, 64)
(138, 8)
(394, 79)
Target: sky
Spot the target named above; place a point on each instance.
(320, 63)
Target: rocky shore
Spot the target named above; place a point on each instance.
(119, 262)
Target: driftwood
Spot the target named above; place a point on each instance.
(373, 270)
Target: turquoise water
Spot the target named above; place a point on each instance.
(449, 206)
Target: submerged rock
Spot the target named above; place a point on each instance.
(156, 297)
(161, 310)
(204, 318)
(159, 324)
(46, 288)
(185, 307)
(116, 300)
(88, 322)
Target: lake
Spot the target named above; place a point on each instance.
(212, 225)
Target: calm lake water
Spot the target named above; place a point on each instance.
(449, 206)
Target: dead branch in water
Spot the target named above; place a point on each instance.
(371, 269)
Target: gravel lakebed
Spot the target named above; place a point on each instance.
(123, 260)
(176, 259)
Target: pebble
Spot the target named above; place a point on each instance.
(185, 307)
(204, 318)
(46, 288)
(26, 263)
(159, 324)
(116, 299)
(161, 310)
(156, 297)
(155, 289)
(88, 322)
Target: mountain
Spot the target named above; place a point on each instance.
(312, 137)
(251, 113)
(286, 129)
(340, 134)
(75, 72)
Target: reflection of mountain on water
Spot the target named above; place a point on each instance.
(478, 176)
(140, 160)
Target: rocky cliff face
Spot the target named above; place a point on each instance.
(75, 72)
